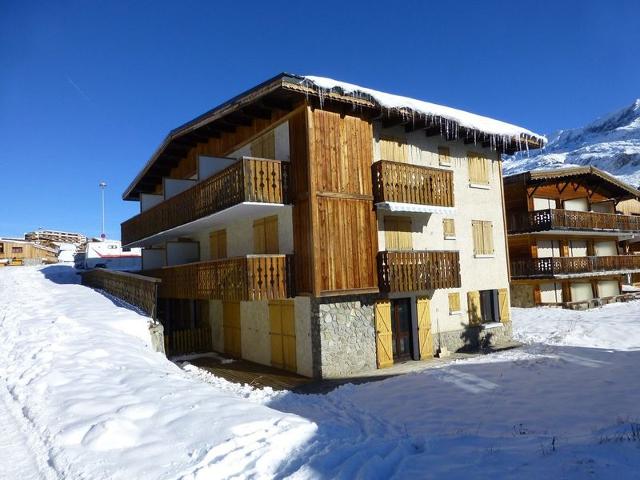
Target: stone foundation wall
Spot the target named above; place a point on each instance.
(522, 296)
(473, 338)
(343, 335)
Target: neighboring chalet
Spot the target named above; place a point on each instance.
(21, 252)
(328, 229)
(564, 236)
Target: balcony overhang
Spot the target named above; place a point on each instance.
(244, 210)
(414, 208)
(587, 233)
(569, 276)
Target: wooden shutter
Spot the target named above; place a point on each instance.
(444, 156)
(231, 327)
(449, 227)
(283, 335)
(424, 328)
(473, 305)
(503, 304)
(454, 302)
(265, 235)
(218, 244)
(397, 233)
(478, 169)
(394, 149)
(384, 338)
(264, 146)
(487, 238)
(482, 237)
(476, 227)
(259, 236)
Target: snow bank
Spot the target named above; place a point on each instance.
(86, 386)
(427, 109)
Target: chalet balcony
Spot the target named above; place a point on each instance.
(573, 266)
(253, 180)
(417, 270)
(555, 219)
(402, 183)
(252, 277)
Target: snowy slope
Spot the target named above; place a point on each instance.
(611, 143)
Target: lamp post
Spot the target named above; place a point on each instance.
(102, 186)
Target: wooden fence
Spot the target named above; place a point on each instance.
(193, 340)
(552, 219)
(252, 277)
(138, 290)
(549, 267)
(413, 271)
(248, 180)
(405, 183)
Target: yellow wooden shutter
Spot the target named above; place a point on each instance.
(454, 302)
(264, 146)
(394, 149)
(444, 156)
(476, 228)
(478, 169)
(259, 236)
(475, 312)
(449, 227)
(398, 233)
(231, 327)
(271, 243)
(424, 328)
(391, 233)
(218, 244)
(384, 338)
(503, 303)
(487, 238)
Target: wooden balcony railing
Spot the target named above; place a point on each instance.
(248, 180)
(551, 267)
(554, 219)
(405, 183)
(254, 277)
(413, 271)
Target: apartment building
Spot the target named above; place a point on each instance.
(566, 239)
(328, 229)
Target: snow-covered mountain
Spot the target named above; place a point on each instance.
(611, 143)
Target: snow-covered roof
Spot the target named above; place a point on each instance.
(413, 106)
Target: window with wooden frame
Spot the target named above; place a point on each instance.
(479, 167)
(482, 237)
(394, 149)
(397, 233)
(265, 235)
(444, 156)
(454, 303)
(218, 244)
(264, 146)
(1, 248)
(449, 228)
(16, 249)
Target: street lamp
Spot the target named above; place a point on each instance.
(102, 186)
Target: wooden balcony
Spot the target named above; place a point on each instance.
(405, 183)
(413, 271)
(253, 277)
(568, 266)
(248, 180)
(554, 219)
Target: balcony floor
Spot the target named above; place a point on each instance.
(573, 232)
(245, 210)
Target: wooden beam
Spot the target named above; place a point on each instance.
(432, 131)
(239, 119)
(257, 112)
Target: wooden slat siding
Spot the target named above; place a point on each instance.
(418, 270)
(342, 221)
(254, 277)
(137, 290)
(549, 267)
(404, 183)
(552, 219)
(182, 342)
(248, 180)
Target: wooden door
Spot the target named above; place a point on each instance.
(473, 306)
(232, 329)
(424, 328)
(283, 335)
(401, 328)
(503, 305)
(218, 244)
(384, 337)
(265, 235)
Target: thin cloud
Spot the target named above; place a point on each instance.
(79, 90)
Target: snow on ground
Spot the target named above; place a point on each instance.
(88, 399)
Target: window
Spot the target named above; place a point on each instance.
(16, 249)
(449, 228)
(397, 233)
(394, 149)
(1, 248)
(265, 235)
(218, 244)
(264, 146)
(478, 169)
(444, 157)
(482, 237)
(454, 303)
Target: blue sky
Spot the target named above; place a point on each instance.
(88, 89)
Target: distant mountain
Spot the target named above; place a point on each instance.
(611, 143)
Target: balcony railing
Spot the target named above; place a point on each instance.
(413, 271)
(253, 277)
(404, 183)
(554, 219)
(248, 180)
(551, 267)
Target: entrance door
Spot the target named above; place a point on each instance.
(401, 328)
(488, 306)
(283, 334)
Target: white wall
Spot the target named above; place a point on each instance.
(281, 135)
(153, 258)
(148, 200)
(182, 252)
(174, 186)
(208, 166)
